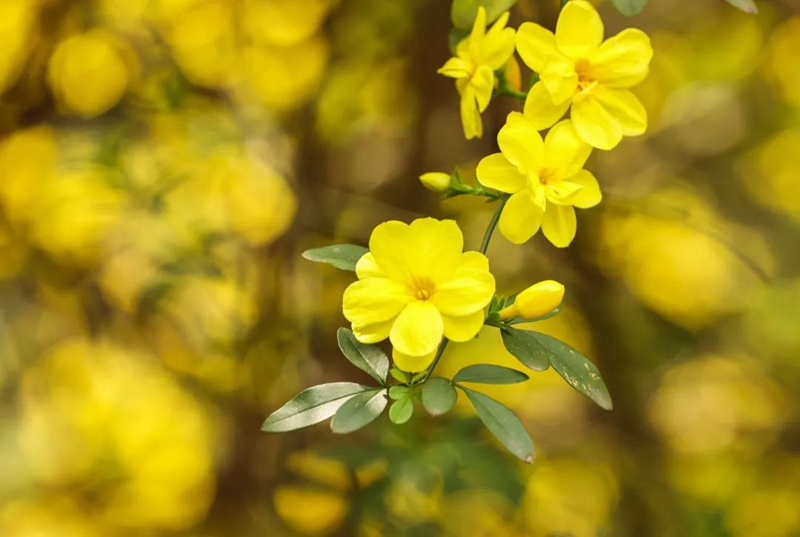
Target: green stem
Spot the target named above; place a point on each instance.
(436, 359)
(493, 225)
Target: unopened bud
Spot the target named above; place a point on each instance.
(535, 301)
(436, 181)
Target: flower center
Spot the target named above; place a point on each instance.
(547, 176)
(423, 288)
(586, 77)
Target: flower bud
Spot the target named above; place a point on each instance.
(436, 181)
(535, 301)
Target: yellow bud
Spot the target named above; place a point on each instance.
(436, 181)
(89, 73)
(535, 301)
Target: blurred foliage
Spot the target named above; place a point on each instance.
(162, 164)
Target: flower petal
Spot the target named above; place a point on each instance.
(470, 115)
(464, 294)
(623, 60)
(388, 246)
(536, 46)
(498, 46)
(562, 192)
(495, 171)
(605, 116)
(412, 364)
(579, 30)
(564, 151)
(455, 68)
(560, 79)
(559, 224)
(521, 143)
(372, 333)
(540, 109)
(478, 32)
(374, 300)
(434, 249)
(460, 329)
(366, 267)
(483, 86)
(521, 217)
(589, 195)
(418, 329)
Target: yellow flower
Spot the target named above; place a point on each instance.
(546, 180)
(576, 67)
(477, 58)
(415, 286)
(89, 73)
(535, 301)
(435, 181)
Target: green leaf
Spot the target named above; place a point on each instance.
(399, 392)
(463, 12)
(576, 369)
(524, 346)
(341, 256)
(438, 396)
(490, 374)
(311, 406)
(401, 410)
(398, 375)
(368, 358)
(503, 424)
(748, 6)
(359, 411)
(629, 7)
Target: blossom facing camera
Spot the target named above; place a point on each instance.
(535, 301)
(578, 69)
(415, 286)
(435, 181)
(89, 73)
(477, 58)
(545, 178)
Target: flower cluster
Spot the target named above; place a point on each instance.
(418, 288)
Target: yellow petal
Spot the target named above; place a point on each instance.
(374, 300)
(579, 30)
(478, 32)
(564, 151)
(623, 60)
(606, 115)
(388, 246)
(559, 224)
(560, 79)
(540, 109)
(366, 267)
(562, 192)
(412, 364)
(465, 294)
(472, 262)
(521, 217)
(372, 333)
(434, 248)
(536, 46)
(589, 195)
(495, 171)
(455, 68)
(498, 46)
(460, 329)
(418, 329)
(483, 86)
(470, 116)
(521, 143)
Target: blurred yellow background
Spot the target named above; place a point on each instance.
(164, 162)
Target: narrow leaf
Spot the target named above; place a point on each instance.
(748, 6)
(398, 375)
(490, 374)
(576, 369)
(438, 396)
(524, 346)
(629, 7)
(463, 12)
(311, 406)
(341, 256)
(368, 358)
(359, 411)
(401, 410)
(503, 424)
